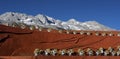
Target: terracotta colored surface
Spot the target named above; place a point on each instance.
(17, 57)
(22, 42)
(59, 57)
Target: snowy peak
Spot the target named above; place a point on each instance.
(73, 21)
(42, 18)
(46, 21)
(93, 25)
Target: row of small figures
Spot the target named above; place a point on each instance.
(67, 31)
(80, 52)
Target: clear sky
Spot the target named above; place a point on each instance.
(106, 12)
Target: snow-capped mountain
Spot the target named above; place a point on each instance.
(46, 21)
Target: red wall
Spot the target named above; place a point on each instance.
(22, 42)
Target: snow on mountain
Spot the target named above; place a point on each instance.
(49, 22)
(93, 25)
(73, 21)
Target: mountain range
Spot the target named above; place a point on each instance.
(49, 22)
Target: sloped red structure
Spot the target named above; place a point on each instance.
(15, 41)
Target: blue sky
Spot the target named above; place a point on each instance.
(106, 12)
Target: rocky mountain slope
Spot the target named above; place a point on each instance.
(49, 22)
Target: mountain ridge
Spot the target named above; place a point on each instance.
(46, 21)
